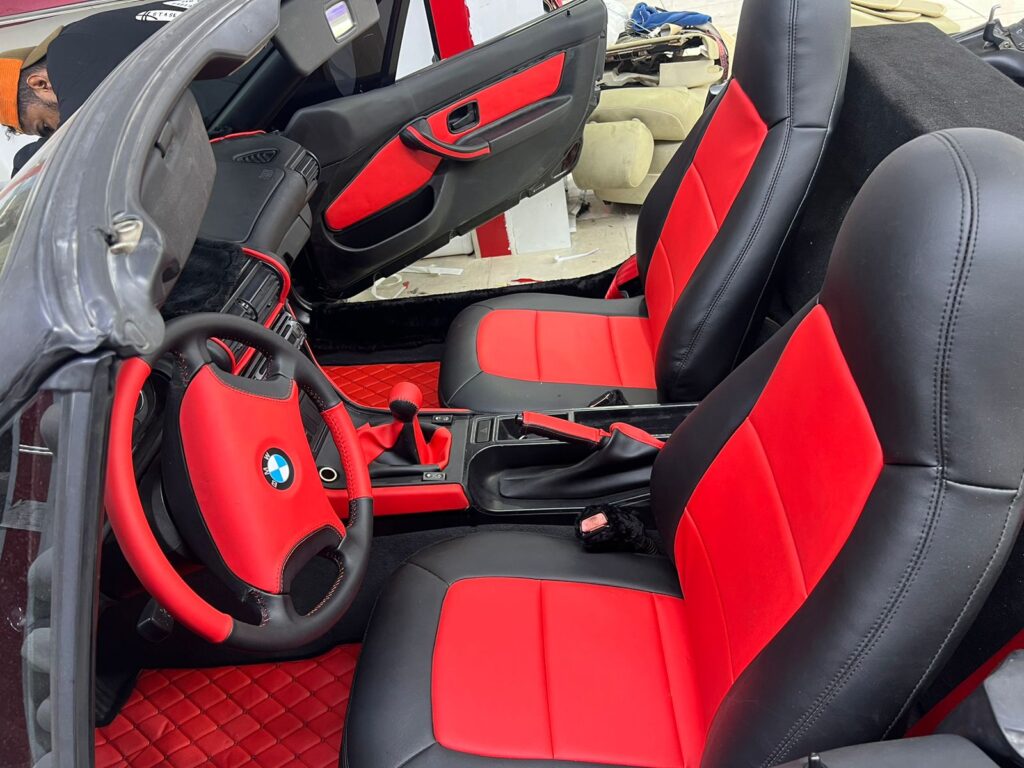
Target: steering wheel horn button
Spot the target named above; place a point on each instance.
(278, 469)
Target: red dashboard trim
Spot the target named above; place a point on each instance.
(286, 288)
(407, 499)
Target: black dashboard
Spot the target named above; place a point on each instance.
(261, 194)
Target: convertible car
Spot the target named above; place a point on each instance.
(751, 499)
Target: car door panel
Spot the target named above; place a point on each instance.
(403, 166)
(406, 167)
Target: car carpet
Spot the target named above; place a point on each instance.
(370, 385)
(904, 80)
(270, 714)
(414, 328)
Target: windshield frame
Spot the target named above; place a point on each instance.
(70, 285)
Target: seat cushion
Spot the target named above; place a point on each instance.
(543, 351)
(520, 649)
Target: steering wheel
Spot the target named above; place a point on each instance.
(243, 486)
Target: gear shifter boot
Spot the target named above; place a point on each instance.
(404, 442)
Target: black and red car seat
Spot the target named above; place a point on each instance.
(835, 513)
(707, 240)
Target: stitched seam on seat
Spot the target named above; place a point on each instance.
(828, 128)
(782, 504)
(957, 150)
(718, 594)
(411, 757)
(668, 680)
(707, 197)
(615, 353)
(536, 345)
(544, 668)
(895, 599)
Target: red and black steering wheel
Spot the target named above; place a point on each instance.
(243, 486)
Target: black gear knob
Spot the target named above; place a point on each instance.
(405, 401)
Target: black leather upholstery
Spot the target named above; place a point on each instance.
(792, 64)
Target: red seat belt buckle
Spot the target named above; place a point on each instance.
(628, 271)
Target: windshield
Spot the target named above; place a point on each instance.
(13, 201)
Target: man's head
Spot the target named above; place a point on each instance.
(38, 113)
(28, 103)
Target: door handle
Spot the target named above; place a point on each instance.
(419, 135)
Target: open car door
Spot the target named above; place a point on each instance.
(409, 166)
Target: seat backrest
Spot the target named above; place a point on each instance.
(839, 507)
(712, 227)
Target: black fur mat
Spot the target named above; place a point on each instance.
(208, 280)
(414, 329)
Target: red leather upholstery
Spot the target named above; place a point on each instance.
(706, 194)
(567, 348)
(289, 713)
(561, 685)
(798, 498)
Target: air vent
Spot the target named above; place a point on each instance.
(257, 156)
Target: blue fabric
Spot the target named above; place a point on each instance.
(646, 18)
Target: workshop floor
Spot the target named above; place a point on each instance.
(605, 235)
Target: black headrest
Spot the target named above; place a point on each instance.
(790, 56)
(925, 290)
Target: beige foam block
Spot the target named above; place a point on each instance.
(699, 73)
(614, 155)
(861, 19)
(668, 113)
(924, 7)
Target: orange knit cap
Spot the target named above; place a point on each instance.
(10, 73)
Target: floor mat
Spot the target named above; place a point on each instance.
(281, 714)
(369, 385)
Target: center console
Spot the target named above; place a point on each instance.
(493, 458)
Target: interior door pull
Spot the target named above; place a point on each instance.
(418, 135)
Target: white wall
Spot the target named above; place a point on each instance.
(8, 147)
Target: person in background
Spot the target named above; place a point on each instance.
(42, 86)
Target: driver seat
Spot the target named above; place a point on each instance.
(835, 513)
(707, 240)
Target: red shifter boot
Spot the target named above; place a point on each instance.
(403, 442)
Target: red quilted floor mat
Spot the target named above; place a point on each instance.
(285, 714)
(370, 384)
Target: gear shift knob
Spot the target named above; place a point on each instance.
(405, 401)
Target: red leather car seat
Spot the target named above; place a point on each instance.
(835, 513)
(707, 240)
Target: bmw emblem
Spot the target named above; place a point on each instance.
(277, 469)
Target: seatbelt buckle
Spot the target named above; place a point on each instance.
(593, 524)
(607, 528)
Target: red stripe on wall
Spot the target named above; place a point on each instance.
(451, 27)
(451, 31)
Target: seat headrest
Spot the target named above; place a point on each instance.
(788, 61)
(925, 290)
